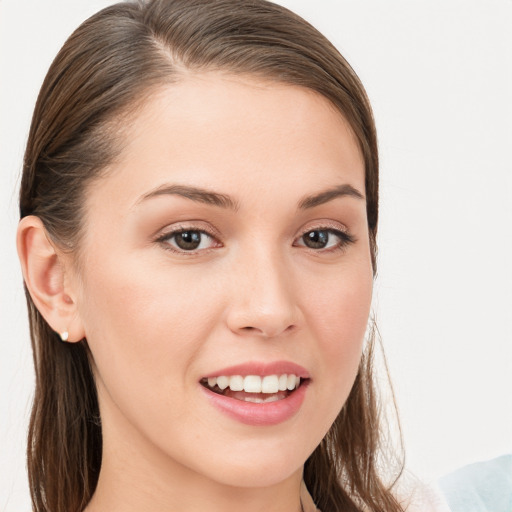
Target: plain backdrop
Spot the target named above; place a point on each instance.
(439, 75)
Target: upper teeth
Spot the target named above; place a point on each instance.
(255, 383)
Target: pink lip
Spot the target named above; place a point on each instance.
(264, 414)
(262, 369)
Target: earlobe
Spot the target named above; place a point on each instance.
(44, 272)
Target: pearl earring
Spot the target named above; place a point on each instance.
(64, 336)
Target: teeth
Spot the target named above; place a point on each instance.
(236, 383)
(257, 400)
(223, 382)
(270, 384)
(252, 384)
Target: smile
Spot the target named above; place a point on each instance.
(257, 393)
(254, 388)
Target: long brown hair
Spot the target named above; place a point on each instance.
(110, 64)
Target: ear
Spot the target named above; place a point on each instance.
(44, 272)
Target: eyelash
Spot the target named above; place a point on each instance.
(165, 239)
(345, 239)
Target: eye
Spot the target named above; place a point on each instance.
(322, 239)
(188, 240)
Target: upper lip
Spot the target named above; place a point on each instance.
(262, 369)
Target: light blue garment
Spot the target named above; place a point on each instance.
(480, 487)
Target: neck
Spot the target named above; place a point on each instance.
(131, 491)
(136, 476)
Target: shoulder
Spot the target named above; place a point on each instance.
(480, 487)
(416, 495)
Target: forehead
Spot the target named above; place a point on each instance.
(242, 135)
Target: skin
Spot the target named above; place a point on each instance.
(158, 319)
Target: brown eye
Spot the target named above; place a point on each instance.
(316, 239)
(188, 240)
(320, 239)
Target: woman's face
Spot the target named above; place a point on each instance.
(228, 240)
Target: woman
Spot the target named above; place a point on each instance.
(198, 222)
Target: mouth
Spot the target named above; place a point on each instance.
(255, 388)
(258, 393)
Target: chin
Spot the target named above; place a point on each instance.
(257, 474)
(253, 464)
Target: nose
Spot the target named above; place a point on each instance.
(263, 299)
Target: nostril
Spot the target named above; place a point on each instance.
(268, 333)
(289, 329)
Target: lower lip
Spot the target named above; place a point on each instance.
(262, 414)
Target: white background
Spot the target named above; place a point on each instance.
(439, 75)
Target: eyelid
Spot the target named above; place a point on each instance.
(338, 229)
(168, 232)
(187, 225)
(324, 225)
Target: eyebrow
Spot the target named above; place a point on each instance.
(209, 197)
(199, 195)
(329, 195)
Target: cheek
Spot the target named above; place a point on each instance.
(125, 295)
(144, 327)
(338, 315)
(339, 310)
